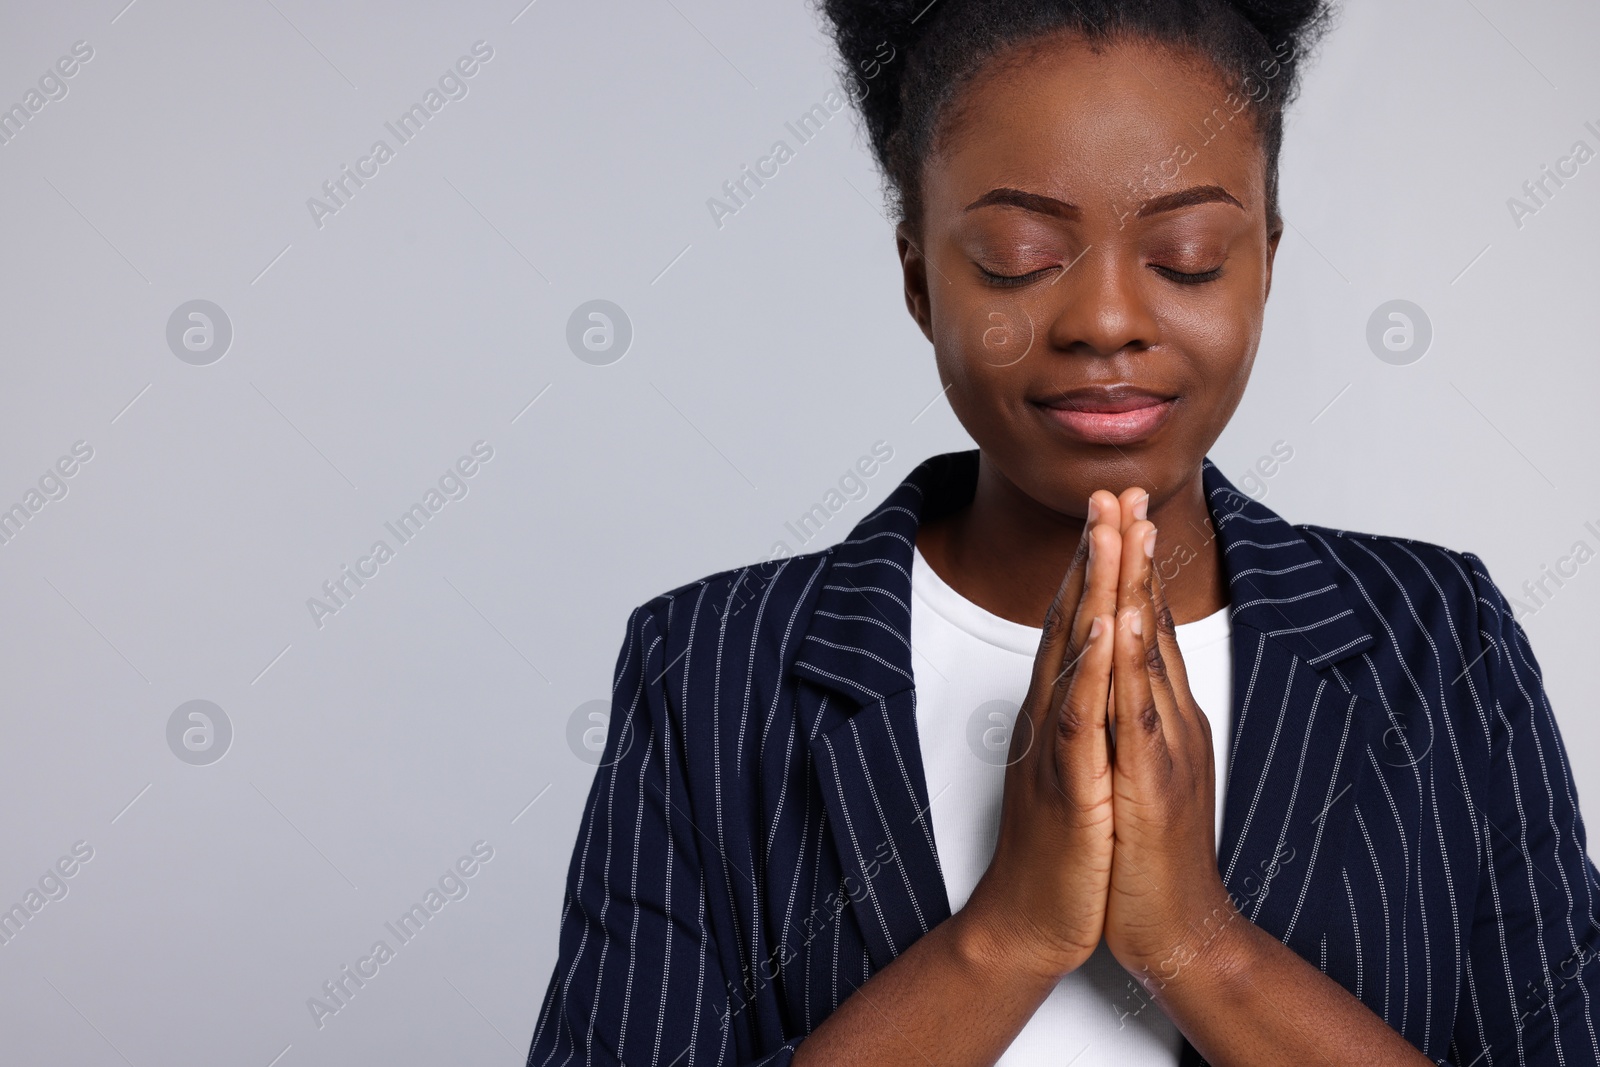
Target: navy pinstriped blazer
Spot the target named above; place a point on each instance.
(755, 844)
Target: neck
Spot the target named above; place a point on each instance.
(1007, 552)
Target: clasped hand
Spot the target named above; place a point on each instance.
(1106, 827)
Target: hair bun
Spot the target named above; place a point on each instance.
(1297, 23)
(873, 39)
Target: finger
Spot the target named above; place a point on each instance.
(1099, 595)
(1178, 718)
(1185, 725)
(1055, 640)
(1167, 634)
(1083, 757)
(1141, 751)
(1138, 593)
(1135, 504)
(1133, 579)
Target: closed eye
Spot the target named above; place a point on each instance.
(1183, 278)
(1009, 280)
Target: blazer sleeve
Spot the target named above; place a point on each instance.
(1531, 991)
(638, 977)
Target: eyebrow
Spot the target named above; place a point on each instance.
(1049, 205)
(1035, 202)
(1195, 194)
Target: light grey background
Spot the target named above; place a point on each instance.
(767, 356)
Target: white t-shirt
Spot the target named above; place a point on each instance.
(971, 670)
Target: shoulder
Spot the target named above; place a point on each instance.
(1417, 598)
(1367, 562)
(762, 608)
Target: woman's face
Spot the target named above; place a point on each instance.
(1092, 263)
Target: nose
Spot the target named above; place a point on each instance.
(1097, 307)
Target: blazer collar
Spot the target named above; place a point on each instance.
(858, 642)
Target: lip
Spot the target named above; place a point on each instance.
(1108, 415)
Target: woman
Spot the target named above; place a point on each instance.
(1275, 794)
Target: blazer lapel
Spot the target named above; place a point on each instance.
(1300, 730)
(859, 712)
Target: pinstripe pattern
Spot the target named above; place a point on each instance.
(754, 845)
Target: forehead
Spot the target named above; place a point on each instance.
(1096, 123)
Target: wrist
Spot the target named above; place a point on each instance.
(1232, 956)
(1212, 954)
(993, 950)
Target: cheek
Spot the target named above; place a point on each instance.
(982, 346)
(1220, 335)
(997, 336)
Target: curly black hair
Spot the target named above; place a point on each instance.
(907, 59)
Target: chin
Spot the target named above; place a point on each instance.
(1062, 477)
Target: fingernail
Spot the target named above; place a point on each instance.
(1094, 511)
(1150, 545)
(1096, 628)
(1137, 624)
(1142, 508)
